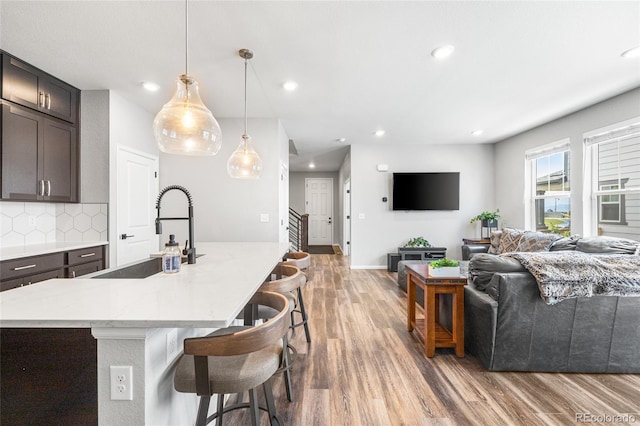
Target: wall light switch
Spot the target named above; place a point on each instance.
(360, 215)
(264, 217)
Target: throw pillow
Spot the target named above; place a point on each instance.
(509, 240)
(495, 242)
(536, 241)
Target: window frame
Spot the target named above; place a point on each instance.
(530, 196)
(593, 187)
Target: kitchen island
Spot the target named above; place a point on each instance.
(136, 321)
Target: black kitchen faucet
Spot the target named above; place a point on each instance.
(191, 251)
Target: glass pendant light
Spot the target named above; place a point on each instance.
(184, 125)
(245, 163)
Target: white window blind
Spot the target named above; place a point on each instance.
(548, 149)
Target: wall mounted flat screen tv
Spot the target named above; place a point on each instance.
(426, 191)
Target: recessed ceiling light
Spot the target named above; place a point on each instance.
(442, 52)
(341, 140)
(290, 86)
(312, 166)
(379, 133)
(477, 132)
(152, 87)
(631, 53)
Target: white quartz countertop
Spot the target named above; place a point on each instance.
(16, 252)
(209, 293)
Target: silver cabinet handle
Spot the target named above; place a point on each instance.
(87, 255)
(47, 99)
(41, 99)
(73, 274)
(20, 268)
(48, 188)
(42, 187)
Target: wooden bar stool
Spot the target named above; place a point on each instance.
(284, 279)
(235, 360)
(302, 260)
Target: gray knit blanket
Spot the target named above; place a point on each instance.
(565, 275)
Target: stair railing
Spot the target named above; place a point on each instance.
(298, 230)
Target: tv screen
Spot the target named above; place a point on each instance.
(426, 191)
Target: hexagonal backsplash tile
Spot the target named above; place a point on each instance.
(36, 223)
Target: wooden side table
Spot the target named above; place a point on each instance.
(428, 328)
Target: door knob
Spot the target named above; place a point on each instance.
(125, 236)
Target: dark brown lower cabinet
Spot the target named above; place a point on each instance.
(48, 376)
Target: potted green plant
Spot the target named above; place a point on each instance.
(417, 242)
(444, 268)
(487, 219)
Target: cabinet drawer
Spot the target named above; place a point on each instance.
(84, 269)
(29, 266)
(85, 255)
(31, 279)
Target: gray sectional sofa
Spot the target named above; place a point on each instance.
(509, 327)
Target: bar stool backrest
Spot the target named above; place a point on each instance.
(286, 278)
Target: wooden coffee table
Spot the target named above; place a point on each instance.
(428, 328)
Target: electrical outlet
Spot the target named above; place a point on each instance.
(121, 382)
(32, 221)
(172, 345)
(264, 217)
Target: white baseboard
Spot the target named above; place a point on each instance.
(368, 266)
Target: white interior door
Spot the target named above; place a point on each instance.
(137, 190)
(319, 205)
(346, 229)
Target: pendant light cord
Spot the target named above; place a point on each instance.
(186, 37)
(245, 96)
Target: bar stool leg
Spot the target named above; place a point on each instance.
(303, 312)
(220, 409)
(203, 409)
(268, 396)
(253, 407)
(286, 367)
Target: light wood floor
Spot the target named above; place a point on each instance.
(363, 368)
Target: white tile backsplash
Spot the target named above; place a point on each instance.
(36, 223)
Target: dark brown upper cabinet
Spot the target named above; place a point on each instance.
(38, 135)
(30, 87)
(39, 157)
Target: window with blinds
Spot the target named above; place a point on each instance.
(613, 168)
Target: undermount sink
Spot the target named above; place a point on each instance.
(142, 269)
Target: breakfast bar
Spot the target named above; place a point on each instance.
(133, 321)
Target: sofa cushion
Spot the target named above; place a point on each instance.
(565, 243)
(536, 241)
(482, 266)
(607, 245)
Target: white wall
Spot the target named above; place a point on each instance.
(227, 209)
(94, 146)
(383, 230)
(130, 126)
(509, 155)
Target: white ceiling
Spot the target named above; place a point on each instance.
(360, 65)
